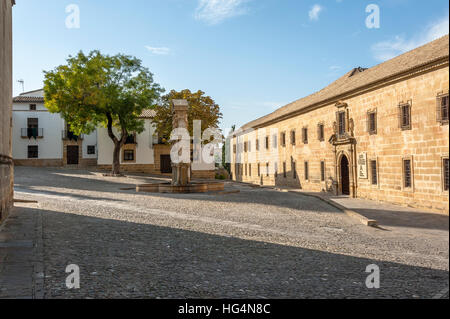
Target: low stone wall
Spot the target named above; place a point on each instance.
(133, 168)
(39, 162)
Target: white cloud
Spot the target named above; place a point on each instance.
(158, 51)
(314, 12)
(386, 50)
(216, 11)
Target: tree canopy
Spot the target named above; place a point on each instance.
(201, 107)
(96, 89)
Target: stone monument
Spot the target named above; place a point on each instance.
(181, 172)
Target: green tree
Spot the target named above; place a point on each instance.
(201, 107)
(101, 90)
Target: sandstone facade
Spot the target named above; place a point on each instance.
(354, 137)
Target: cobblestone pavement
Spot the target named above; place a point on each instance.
(258, 243)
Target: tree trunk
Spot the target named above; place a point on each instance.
(116, 159)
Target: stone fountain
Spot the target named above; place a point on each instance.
(181, 172)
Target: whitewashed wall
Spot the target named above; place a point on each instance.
(50, 146)
(144, 150)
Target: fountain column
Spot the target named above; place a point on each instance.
(181, 172)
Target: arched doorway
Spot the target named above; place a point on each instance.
(345, 176)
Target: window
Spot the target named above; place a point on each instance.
(250, 169)
(372, 122)
(341, 123)
(33, 151)
(283, 139)
(284, 170)
(306, 171)
(267, 142)
(259, 170)
(322, 171)
(305, 135)
(249, 146)
(131, 139)
(245, 147)
(405, 116)
(275, 141)
(257, 145)
(446, 173)
(293, 137)
(246, 172)
(294, 169)
(321, 132)
(267, 169)
(442, 109)
(373, 172)
(91, 149)
(32, 107)
(276, 169)
(407, 173)
(234, 148)
(128, 155)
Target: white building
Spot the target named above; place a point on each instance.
(41, 138)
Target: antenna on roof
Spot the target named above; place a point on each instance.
(23, 84)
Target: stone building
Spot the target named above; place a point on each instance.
(380, 133)
(6, 163)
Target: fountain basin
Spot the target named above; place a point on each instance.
(193, 187)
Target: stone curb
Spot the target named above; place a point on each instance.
(351, 213)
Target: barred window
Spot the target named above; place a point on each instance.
(128, 155)
(442, 109)
(373, 172)
(407, 173)
(32, 107)
(306, 171)
(33, 151)
(372, 122)
(293, 137)
(91, 149)
(322, 171)
(305, 135)
(405, 116)
(321, 132)
(341, 123)
(446, 173)
(294, 169)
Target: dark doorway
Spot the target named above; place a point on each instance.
(166, 164)
(345, 176)
(72, 155)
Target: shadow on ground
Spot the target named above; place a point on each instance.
(122, 259)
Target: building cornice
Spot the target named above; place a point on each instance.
(412, 72)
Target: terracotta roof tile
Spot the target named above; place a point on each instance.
(28, 99)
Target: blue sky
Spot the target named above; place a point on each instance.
(251, 56)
